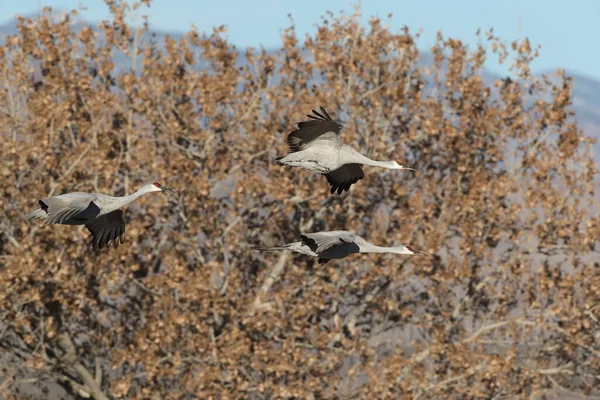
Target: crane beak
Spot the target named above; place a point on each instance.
(165, 189)
(418, 253)
(410, 169)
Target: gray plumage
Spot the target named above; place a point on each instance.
(100, 213)
(316, 146)
(336, 245)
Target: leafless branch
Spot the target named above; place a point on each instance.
(90, 384)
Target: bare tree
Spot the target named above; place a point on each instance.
(503, 198)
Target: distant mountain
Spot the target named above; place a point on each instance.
(586, 101)
(586, 90)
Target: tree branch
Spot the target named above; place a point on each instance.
(90, 385)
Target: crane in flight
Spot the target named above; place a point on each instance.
(337, 244)
(316, 146)
(101, 214)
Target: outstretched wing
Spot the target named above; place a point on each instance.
(342, 178)
(107, 228)
(322, 127)
(60, 210)
(321, 241)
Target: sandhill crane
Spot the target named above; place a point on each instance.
(101, 214)
(337, 244)
(316, 146)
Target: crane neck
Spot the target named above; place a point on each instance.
(122, 201)
(371, 248)
(355, 157)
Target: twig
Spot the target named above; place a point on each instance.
(467, 297)
(222, 287)
(70, 356)
(564, 389)
(445, 382)
(382, 85)
(69, 171)
(357, 311)
(493, 326)
(418, 358)
(11, 239)
(585, 346)
(213, 340)
(145, 289)
(98, 372)
(231, 226)
(249, 108)
(563, 369)
(271, 278)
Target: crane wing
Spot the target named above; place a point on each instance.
(107, 228)
(342, 178)
(322, 127)
(60, 210)
(321, 241)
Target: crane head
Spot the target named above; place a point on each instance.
(399, 166)
(416, 253)
(160, 188)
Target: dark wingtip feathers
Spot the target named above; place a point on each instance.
(343, 186)
(319, 114)
(323, 115)
(116, 239)
(318, 124)
(326, 113)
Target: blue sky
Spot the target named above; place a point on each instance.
(569, 31)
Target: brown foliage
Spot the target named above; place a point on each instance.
(503, 198)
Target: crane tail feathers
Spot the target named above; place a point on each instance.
(39, 213)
